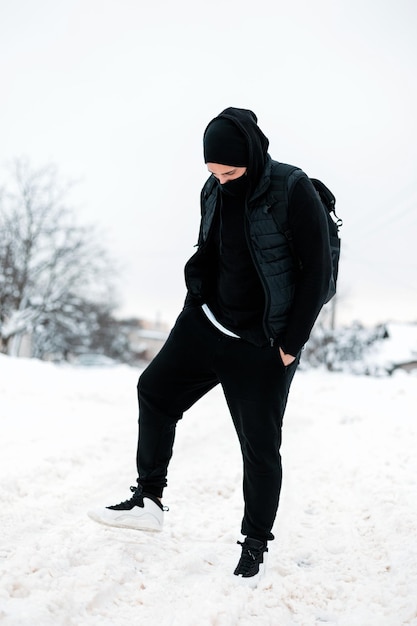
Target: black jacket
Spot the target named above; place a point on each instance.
(292, 298)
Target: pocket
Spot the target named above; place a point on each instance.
(290, 366)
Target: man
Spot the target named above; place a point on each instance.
(249, 310)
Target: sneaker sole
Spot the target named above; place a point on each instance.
(129, 522)
(252, 581)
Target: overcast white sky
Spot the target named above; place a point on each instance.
(117, 94)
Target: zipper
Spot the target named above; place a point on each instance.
(267, 330)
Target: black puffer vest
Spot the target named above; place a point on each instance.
(266, 224)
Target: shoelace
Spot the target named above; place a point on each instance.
(249, 556)
(137, 496)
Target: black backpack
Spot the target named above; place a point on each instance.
(284, 177)
(334, 222)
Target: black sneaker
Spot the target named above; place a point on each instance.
(141, 512)
(251, 566)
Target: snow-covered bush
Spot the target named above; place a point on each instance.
(356, 349)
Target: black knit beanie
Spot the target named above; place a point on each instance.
(225, 144)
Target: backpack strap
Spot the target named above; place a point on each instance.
(328, 199)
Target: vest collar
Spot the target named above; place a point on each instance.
(264, 180)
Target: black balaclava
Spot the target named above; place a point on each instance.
(234, 135)
(225, 144)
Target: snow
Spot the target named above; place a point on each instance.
(345, 552)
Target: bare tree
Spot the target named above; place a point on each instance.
(51, 269)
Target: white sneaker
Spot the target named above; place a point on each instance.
(140, 512)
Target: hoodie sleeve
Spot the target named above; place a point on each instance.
(308, 223)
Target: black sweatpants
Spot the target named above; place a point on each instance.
(194, 359)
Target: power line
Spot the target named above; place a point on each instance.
(383, 271)
(390, 218)
(405, 195)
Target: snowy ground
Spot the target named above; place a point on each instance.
(346, 547)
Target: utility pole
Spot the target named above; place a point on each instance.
(333, 313)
